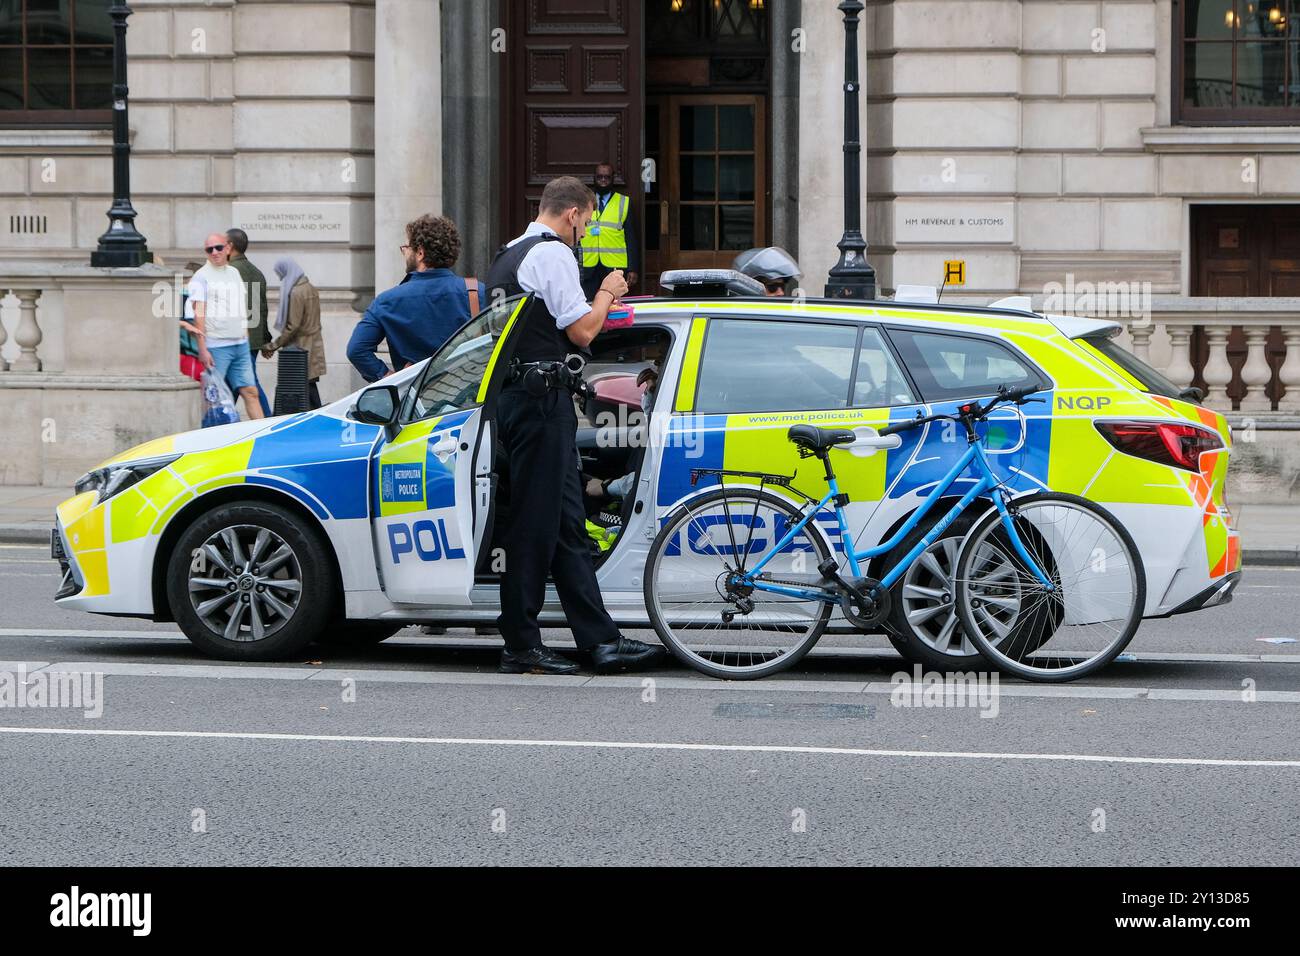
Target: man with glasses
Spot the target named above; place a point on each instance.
(772, 266)
(217, 306)
(612, 240)
(420, 313)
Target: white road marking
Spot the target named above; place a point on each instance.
(645, 745)
(825, 650)
(770, 686)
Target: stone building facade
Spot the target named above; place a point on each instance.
(1144, 150)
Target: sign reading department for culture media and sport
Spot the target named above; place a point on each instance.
(293, 221)
(954, 222)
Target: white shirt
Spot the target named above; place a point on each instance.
(550, 270)
(225, 312)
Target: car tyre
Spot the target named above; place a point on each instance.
(261, 562)
(924, 627)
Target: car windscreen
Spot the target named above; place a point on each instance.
(1151, 380)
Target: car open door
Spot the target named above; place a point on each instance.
(431, 478)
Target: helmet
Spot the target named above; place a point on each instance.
(769, 264)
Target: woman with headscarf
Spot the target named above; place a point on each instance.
(298, 323)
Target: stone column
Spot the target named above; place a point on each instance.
(408, 125)
(1256, 373)
(4, 365)
(471, 106)
(786, 17)
(821, 125)
(28, 333)
(1180, 370)
(1218, 373)
(1140, 331)
(1289, 373)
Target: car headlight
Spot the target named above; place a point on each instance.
(111, 479)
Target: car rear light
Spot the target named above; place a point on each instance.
(1169, 443)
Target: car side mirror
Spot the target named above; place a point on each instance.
(1191, 394)
(377, 405)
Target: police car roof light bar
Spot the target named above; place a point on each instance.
(709, 283)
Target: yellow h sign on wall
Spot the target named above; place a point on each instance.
(954, 272)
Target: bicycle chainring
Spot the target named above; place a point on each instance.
(866, 605)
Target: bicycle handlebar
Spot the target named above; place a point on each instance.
(972, 411)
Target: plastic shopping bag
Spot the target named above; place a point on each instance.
(218, 402)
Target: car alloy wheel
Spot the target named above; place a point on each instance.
(245, 583)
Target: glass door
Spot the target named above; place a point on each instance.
(709, 200)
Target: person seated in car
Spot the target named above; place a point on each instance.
(600, 491)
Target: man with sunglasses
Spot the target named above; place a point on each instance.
(216, 304)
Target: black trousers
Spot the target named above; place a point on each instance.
(546, 532)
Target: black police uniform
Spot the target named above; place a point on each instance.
(546, 530)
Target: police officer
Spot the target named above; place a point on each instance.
(612, 240)
(546, 525)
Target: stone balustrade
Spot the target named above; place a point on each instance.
(27, 336)
(89, 366)
(1188, 340)
(1243, 352)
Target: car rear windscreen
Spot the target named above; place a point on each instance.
(1151, 380)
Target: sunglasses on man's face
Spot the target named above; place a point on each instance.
(213, 248)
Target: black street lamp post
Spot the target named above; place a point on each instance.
(122, 245)
(852, 276)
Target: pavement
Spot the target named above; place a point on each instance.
(1270, 533)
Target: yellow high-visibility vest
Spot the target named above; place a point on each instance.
(605, 242)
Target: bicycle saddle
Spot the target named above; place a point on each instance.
(819, 439)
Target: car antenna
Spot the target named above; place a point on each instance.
(939, 298)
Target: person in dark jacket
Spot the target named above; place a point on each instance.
(419, 314)
(255, 287)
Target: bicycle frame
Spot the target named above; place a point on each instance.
(987, 484)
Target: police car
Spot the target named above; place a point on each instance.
(387, 508)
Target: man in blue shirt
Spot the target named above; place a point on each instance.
(419, 314)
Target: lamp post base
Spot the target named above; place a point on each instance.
(120, 258)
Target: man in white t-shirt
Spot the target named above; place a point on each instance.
(217, 305)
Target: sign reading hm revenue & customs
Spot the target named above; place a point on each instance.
(954, 223)
(293, 221)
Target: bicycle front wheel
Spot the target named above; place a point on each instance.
(698, 597)
(1078, 625)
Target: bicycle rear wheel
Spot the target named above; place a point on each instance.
(1079, 625)
(699, 606)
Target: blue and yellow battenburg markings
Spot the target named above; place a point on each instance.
(409, 477)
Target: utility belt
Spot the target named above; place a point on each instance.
(540, 377)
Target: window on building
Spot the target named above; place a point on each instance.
(56, 62)
(1239, 61)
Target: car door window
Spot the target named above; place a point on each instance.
(757, 366)
(451, 382)
(878, 381)
(947, 367)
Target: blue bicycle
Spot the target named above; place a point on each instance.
(741, 581)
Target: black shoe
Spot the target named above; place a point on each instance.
(538, 660)
(624, 654)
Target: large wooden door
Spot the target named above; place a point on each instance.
(1245, 251)
(709, 200)
(572, 97)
